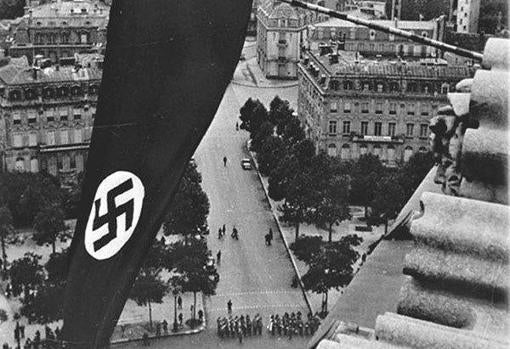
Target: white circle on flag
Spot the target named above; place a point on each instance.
(114, 214)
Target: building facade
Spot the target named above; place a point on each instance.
(468, 13)
(350, 107)
(281, 34)
(369, 42)
(60, 29)
(46, 117)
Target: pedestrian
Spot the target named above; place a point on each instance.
(22, 331)
(158, 329)
(179, 302)
(270, 233)
(180, 319)
(224, 161)
(145, 339)
(165, 327)
(237, 126)
(192, 308)
(229, 307)
(220, 233)
(200, 315)
(218, 257)
(240, 335)
(224, 229)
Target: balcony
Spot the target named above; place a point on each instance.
(377, 139)
(43, 148)
(282, 43)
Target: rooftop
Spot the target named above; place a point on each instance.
(13, 74)
(351, 63)
(405, 25)
(67, 13)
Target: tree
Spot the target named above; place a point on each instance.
(334, 206)
(192, 264)
(26, 273)
(279, 114)
(306, 247)
(190, 207)
(6, 229)
(26, 193)
(252, 115)
(57, 267)
(293, 131)
(270, 154)
(412, 9)
(49, 225)
(265, 130)
(10, 9)
(389, 199)
(411, 174)
(330, 267)
(298, 200)
(366, 173)
(148, 288)
(45, 305)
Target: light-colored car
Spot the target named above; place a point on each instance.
(246, 164)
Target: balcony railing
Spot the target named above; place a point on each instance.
(377, 139)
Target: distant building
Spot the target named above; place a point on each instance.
(380, 106)
(468, 14)
(60, 29)
(396, 9)
(46, 117)
(281, 33)
(365, 41)
(251, 30)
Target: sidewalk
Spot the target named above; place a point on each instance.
(133, 321)
(345, 228)
(248, 73)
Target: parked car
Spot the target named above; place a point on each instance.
(246, 164)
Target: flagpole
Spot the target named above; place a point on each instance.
(395, 31)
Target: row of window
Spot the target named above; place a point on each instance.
(364, 108)
(360, 33)
(63, 137)
(62, 163)
(377, 128)
(387, 154)
(392, 86)
(51, 93)
(51, 115)
(64, 38)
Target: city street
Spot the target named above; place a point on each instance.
(257, 278)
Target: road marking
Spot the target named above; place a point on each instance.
(250, 307)
(246, 293)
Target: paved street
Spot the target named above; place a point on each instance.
(255, 277)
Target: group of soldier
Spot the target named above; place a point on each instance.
(293, 324)
(51, 340)
(239, 326)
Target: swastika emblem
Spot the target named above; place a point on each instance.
(114, 214)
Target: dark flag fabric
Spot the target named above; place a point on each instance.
(167, 65)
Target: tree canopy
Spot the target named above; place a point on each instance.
(25, 194)
(49, 226)
(26, 273)
(190, 207)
